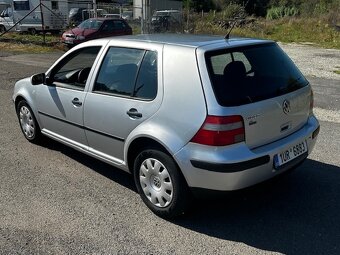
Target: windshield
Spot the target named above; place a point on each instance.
(249, 74)
(91, 24)
(160, 14)
(74, 11)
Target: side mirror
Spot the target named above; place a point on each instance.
(48, 81)
(38, 79)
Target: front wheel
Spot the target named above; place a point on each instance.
(28, 123)
(160, 183)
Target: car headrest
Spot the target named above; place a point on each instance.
(235, 70)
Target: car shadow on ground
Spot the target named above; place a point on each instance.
(123, 178)
(298, 213)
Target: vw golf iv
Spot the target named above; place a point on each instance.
(178, 112)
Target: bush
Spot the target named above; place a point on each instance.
(281, 12)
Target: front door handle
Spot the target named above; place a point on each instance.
(133, 113)
(76, 102)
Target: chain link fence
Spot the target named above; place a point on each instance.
(41, 17)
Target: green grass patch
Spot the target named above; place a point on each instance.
(336, 71)
(26, 43)
(26, 48)
(38, 38)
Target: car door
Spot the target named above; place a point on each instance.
(112, 28)
(60, 103)
(124, 94)
(106, 29)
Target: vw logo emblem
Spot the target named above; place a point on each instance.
(286, 106)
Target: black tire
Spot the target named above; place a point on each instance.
(28, 123)
(169, 175)
(32, 31)
(2, 29)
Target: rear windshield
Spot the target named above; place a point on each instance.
(249, 74)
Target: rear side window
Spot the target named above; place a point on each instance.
(146, 85)
(253, 73)
(129, 73)
(118, 24)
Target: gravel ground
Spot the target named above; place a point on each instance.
(314, 62)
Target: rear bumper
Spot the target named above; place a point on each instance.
(236, 167)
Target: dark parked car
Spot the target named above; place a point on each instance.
(77, 15)
(95, 28)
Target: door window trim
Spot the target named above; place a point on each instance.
(93, 82)
(64, 60)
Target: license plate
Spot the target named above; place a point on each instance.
(289, 154)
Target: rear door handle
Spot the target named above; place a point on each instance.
(133, 113)
(76, 102)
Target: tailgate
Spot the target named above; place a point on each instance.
(272, 119)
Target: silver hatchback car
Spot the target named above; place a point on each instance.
(179, 112)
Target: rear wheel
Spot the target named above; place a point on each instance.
(28, 123)
(32, 31)
(160, 183)
(2, 29)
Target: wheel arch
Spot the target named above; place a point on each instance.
(20, 97)
(142, 143)
(139, 144)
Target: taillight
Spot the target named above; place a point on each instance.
(220, 131)
(311, 103)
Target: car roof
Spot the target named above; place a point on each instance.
(189, 40)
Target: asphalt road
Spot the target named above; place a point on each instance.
(55, 200)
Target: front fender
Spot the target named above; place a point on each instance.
(24, 89)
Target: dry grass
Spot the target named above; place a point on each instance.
(300, 30)
(24, 48)
(22, 43)
(316, 31)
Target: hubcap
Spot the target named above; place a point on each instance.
(156, 182)
(26, 122)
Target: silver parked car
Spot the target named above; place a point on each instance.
(179, 112)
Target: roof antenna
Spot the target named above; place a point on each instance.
(232, 27)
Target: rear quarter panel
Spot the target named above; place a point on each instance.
(183, 107)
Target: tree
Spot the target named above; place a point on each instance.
(199, 5)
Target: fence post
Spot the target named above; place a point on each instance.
(142, 20)
(42, 22)
(95, 8)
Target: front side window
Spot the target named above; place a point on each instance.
(6, 13)
(129, 73)
(249, 74)
(73, 71)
